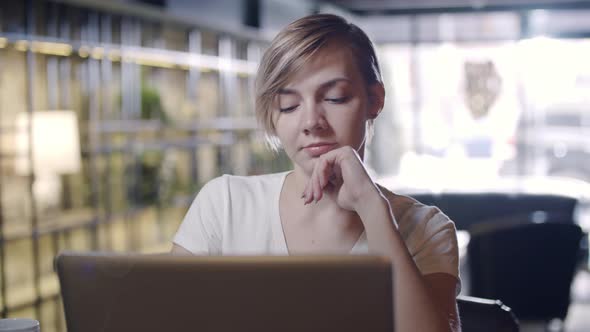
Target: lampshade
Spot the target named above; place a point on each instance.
(56, 143)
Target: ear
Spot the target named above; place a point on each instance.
(376, 100)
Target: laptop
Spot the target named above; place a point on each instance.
(109, 292)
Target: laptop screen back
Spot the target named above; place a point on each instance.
(116, 293)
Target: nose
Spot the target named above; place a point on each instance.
(314, 119)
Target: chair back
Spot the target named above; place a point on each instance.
(492, 206)
(484, 315)
(528, 266)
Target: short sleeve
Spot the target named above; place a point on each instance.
(431, 238)
(200, 230)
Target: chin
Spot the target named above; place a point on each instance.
(305, 166)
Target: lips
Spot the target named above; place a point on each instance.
(318, 149)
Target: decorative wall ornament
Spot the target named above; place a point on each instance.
(482, 87)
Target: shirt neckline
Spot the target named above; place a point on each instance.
(279, 234)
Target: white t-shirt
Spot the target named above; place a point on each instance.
(239, 215)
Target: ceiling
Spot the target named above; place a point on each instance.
(404, 7)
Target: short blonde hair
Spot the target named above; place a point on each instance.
(294, 46)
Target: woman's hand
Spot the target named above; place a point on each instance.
(340, 172)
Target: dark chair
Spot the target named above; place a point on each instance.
(528, 266)
(470, 209)
(484, 315)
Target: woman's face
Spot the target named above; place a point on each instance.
(324, 106)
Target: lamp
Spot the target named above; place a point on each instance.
(55, 151)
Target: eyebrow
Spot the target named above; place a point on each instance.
(325, 85)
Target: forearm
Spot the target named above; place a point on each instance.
(415, 309)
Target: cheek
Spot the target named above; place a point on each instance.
(349, 124)
(352, 116)
(285, 131)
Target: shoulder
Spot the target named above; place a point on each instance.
(412, 215)
(399, 204)
(428, 233)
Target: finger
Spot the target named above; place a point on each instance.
(322, 172)
(316, 180)
(336, 176)
(308, 193)
(310, 189)
(317, 188)
(305, 194)
(325, 173)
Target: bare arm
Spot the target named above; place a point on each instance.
(444, 288)
(423, 303)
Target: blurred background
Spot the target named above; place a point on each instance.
(113, 113)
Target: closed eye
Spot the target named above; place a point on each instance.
(288, 109)
(337, 100)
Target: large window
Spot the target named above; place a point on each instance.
(463, 111)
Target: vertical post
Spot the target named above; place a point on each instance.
(30, 79)
(128, 180)
(54, 103)
(4, 311)
(227, 88)
(65, 67)
(194, 74)
(65, 70)
(137, 110)
(131, 96)
(93, 121)
(52, 66)
(106, 105)
(252, 55)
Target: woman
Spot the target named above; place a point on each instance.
(318, 90)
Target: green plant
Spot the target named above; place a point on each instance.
(151, 105)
